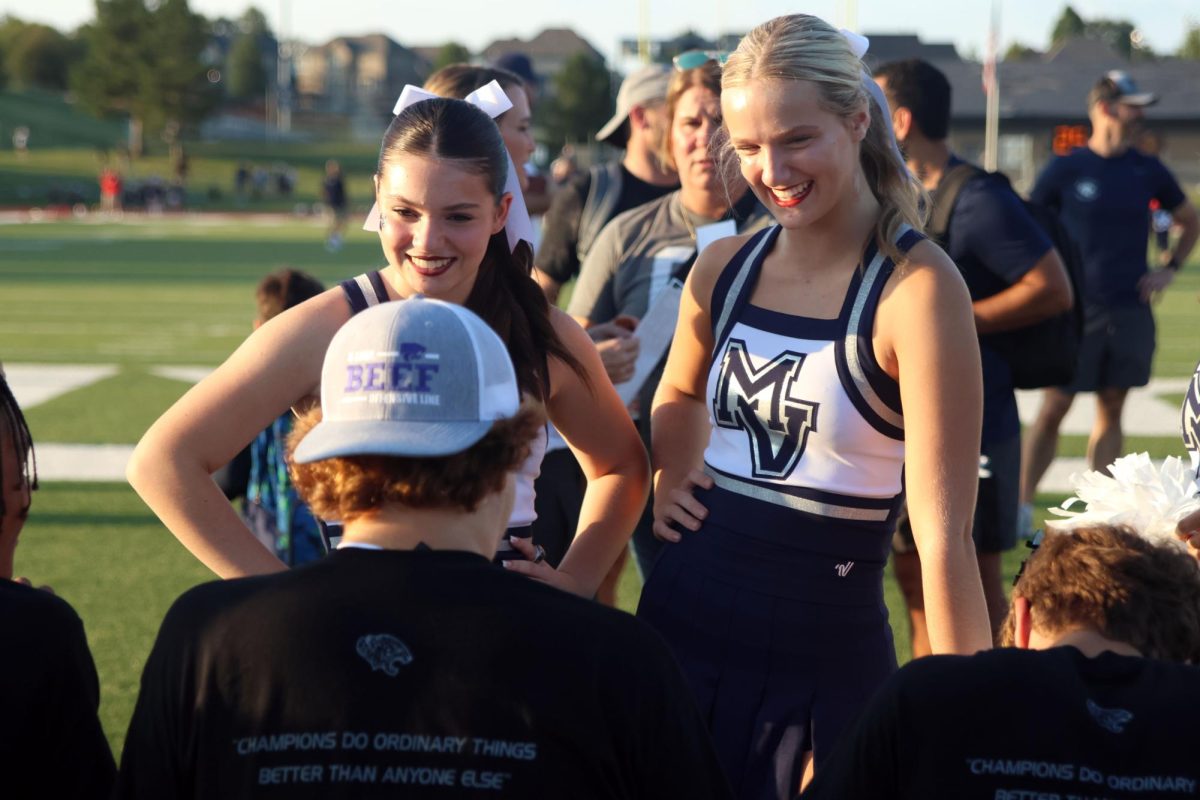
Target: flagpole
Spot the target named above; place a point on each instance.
(991, 83)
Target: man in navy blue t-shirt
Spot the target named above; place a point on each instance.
(1102, 193)
(1015, 277)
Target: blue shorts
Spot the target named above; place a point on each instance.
(1117, 349)
(778, 621)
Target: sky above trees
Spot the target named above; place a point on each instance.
(477, 22)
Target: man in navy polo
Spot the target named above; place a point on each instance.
(1016, 278)
(1102, 193)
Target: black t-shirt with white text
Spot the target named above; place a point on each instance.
(410, 673)
(51, 742)
(1013, 724)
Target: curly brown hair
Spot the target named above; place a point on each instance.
(1111, 580)
(356, 486)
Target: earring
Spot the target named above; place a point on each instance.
(381, 222)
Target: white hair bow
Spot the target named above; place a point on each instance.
(859, 45)
(492, 100)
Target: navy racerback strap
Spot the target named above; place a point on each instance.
(364, 291)
(734, 286)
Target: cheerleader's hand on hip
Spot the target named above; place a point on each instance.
(680, 510)
(535, 566)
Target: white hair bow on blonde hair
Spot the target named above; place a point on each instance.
(492, 100)
(859, 45)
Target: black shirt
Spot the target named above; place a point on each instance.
(1023, 725)
(558, 255)
(51, 742)
(415, 674)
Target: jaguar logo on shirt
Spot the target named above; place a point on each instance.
(758, 400)
(1087, 189)
(1112, 720)
(384, 653)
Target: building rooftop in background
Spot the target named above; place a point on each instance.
(549, 46)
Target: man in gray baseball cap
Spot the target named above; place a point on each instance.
(585, 205)
(405, 662)
(578, 212)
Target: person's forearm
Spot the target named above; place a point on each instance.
(955, 608)
(1008, 311)
(678, 436)
(1042, 292)
(192, 507)
(611, 507)
(1185, 244)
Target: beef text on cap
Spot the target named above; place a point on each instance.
(411, 378)
(641, 87)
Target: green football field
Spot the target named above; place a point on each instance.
(146, 294)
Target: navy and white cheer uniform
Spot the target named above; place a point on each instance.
(368, 290)
(775, 607)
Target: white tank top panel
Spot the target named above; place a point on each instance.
(523, 513)
(801, 414)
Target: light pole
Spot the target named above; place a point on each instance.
(283, 73)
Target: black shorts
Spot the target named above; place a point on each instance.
(1117, 349)
(996, 506)
(557, 500)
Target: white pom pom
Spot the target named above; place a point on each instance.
(1150, 500)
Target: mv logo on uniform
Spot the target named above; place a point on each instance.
(758, 400)
(1191, 415)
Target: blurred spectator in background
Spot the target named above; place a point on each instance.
(577, 214)
(588, 202)
(110, 190)
(535, 187)
(241, 182)
(1016, 278)
(1102, 193)
(20, 140)
(333, 192)
(273, 510)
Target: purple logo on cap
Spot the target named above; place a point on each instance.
(389, 376)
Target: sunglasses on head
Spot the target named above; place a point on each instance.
(690, 59)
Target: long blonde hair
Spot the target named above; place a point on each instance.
(800, 47)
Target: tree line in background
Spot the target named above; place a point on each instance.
(153, 61)
(1120, 35)
(148, 61)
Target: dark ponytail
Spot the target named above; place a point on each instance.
(505, 294)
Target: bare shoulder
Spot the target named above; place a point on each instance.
(710, 264)
(926, 274)
(316, 319)
(576, 342)
(569, 331)
(290, 348)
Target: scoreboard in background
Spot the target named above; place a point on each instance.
(1068, 137)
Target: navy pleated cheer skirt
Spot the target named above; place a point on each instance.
(778, 621)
